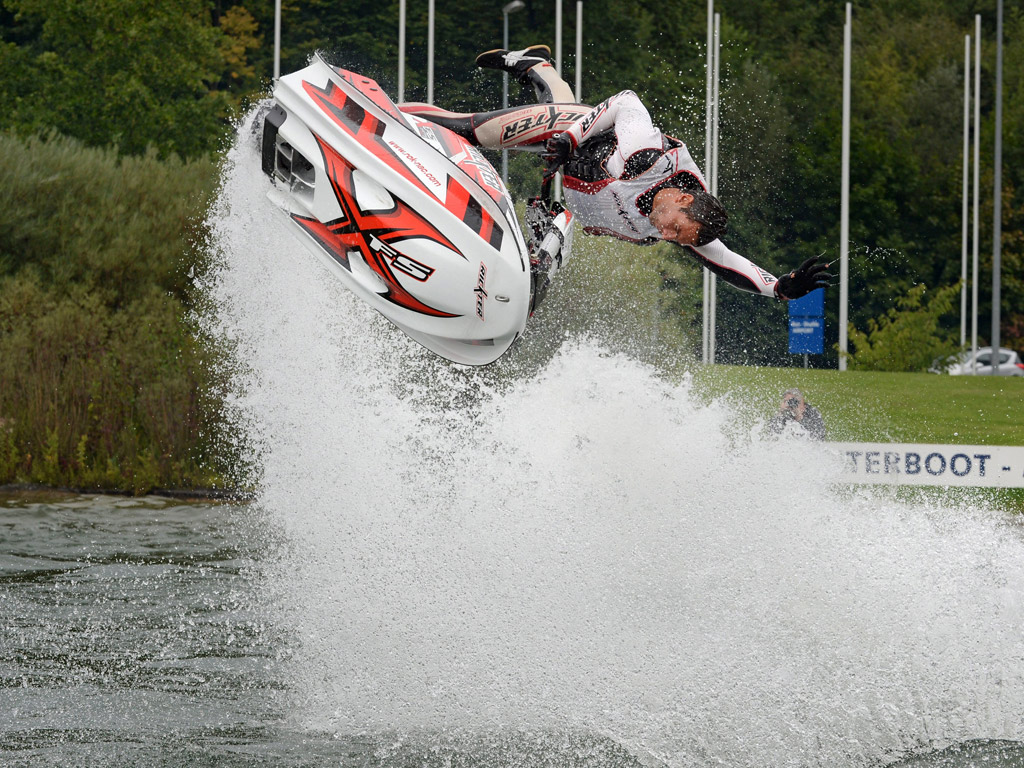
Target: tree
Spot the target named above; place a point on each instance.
(908, 338)
(130, 73)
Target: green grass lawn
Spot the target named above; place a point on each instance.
(863, 406)
(868, 406)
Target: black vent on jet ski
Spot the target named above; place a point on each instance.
(272, 122)
(280, 160)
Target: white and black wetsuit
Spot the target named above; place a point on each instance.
(619, 162)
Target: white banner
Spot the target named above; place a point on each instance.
(989, 466)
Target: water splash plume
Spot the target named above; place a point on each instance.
(589, 548)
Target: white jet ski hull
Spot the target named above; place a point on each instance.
(410, 216)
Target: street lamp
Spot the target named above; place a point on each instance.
(515, 5)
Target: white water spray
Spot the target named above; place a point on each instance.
(587, 548)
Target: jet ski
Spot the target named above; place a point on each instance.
(410, 216)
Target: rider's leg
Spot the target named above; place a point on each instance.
(548, 85)
(515, 127)
(530, 66)
(512, 128)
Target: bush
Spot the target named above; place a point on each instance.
(908, 338)
(102, 382)
(87, 217)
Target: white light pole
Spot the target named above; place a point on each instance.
(977, 184)
(715, 98)
(515, 5)
(844, 195)
(997, 194)
(966, 194)
(401, 51)
(706, 296)
(579, 51)
(430, 52)
(277, 39)
(558, 37)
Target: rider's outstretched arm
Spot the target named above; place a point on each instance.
(736, 270)
(747, 276)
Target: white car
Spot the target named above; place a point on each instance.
(1009, 363)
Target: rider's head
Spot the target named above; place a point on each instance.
(688, 218)
(707, 211)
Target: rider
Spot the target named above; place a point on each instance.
(622, 177)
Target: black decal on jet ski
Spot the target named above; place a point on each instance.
(472, 213)
(360, 124)
(481, 290)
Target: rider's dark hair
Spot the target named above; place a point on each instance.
(707, 211)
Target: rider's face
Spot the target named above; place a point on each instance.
(677, 227)
(671, 221)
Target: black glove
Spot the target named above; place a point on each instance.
(807, 277)
(556, 152)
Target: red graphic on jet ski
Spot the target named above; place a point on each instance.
(376, 235)
(369, 131)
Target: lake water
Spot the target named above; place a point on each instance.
(561, 560)
(145, 632)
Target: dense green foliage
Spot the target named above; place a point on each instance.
(170, 75)
(125, 72)
(909, 337)
(102, 383)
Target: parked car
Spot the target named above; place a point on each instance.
(1009, 364)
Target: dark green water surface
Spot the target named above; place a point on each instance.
(132, 635)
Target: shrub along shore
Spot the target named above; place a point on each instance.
(104, 383)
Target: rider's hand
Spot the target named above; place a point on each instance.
(807, 277)
(556, 152)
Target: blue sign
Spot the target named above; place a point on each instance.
(806, 335)
(811, 305)
(807, 324)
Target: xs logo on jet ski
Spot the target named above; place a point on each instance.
(375, 235)
(400, 261)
